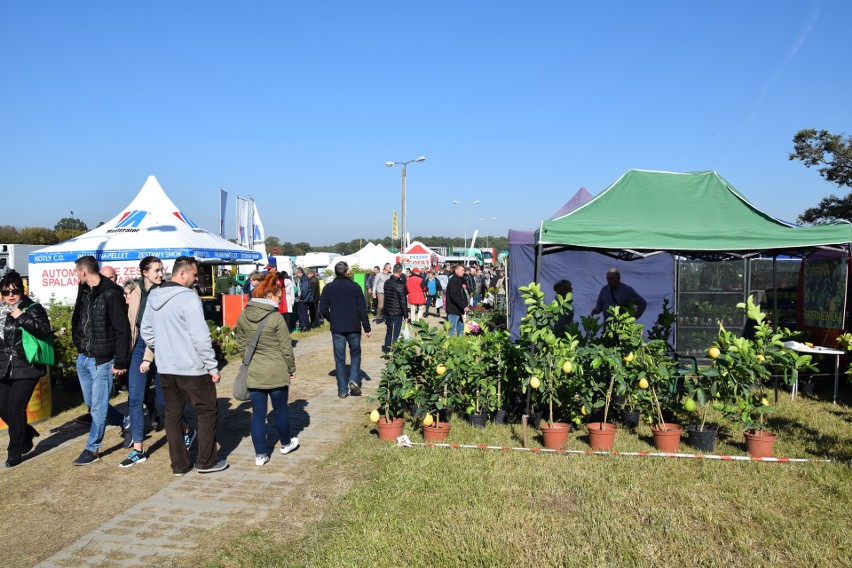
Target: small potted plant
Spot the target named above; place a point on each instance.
(397, 388)
(548, 357)
(743, 367)
(703, 391)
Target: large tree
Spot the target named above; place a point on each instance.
(832, 153)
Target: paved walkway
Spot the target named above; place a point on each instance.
(166, 525)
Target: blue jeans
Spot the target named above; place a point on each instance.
(137, 386)
(96, 383)
(394, 324)
(456, 324)
(258, 417)
(339, 341)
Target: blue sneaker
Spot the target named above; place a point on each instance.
(189, 438)
(135, 457)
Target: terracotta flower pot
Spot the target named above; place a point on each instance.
(666, 436)
(555, 435)
(601, 436)
(389, 430)
(760, 443)
(436, 432)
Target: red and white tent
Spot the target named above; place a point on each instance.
(419, 256)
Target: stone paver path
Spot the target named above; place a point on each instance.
(167, 525)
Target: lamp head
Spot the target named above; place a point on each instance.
(456, 202)
(389, 164)
(421, 159)
(476, 202)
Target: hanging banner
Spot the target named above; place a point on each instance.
(824, 292)
(243, 216)
(258, 234)
(223, 204)
(394, 232)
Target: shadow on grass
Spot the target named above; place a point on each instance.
(815, 442)
(235, 424)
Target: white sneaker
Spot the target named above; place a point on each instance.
(294, 443)
(261, 459)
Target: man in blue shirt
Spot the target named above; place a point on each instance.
(617, 294)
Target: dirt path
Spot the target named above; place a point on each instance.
(102, 515)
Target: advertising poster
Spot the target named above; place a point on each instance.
(824, 293)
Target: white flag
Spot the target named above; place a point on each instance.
(243, 234)
(258, 236)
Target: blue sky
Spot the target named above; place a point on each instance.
(514, 104)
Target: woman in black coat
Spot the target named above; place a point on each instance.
(18, 377)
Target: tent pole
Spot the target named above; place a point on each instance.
(676, 298)
(775, 292)
(537, 262)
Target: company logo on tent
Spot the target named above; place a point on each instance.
(129, 222)
(190, 223)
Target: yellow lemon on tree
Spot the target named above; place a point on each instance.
(535, 383)
(643, 383)
(428, 420)
(440, 369)
(713, 352)
(567, 367)
(374, 416)
(629, 357)
(764, 401)
(583, 410)
(760, 358)
(689, 405)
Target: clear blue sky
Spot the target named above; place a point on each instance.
(300, 104)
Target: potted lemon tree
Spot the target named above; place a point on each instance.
(397, 388)
(548, 357)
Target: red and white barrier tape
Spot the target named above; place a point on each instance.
(407, 443)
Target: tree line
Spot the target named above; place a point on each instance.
(66, 228)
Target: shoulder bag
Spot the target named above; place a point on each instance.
(38, 351)
(240, 391)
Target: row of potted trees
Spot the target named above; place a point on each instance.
(588, 373)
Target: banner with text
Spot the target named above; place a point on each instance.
(824, 294)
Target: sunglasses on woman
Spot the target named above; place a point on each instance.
(12, 292)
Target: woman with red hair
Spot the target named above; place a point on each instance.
(271, 368)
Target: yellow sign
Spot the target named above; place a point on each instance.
(394, 232)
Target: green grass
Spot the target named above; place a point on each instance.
(373, 504)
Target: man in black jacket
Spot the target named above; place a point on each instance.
(395, 308)
(342, 303)
(101, 333)
(456, 301)
(306, 298)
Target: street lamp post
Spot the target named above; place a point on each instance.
(484, 219)
(403, 238)
(466, 205)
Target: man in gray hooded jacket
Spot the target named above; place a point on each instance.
(174, 327)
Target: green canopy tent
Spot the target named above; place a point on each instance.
(694, 215)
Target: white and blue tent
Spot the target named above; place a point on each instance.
(151, 225)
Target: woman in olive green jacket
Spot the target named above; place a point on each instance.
(272, 367)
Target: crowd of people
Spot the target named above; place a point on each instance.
(152, 332)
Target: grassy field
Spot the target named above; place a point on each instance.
(374, 504)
